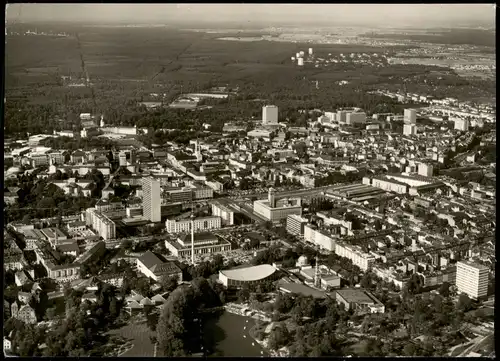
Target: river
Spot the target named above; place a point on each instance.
(228, 335)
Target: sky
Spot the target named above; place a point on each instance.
(274, 14)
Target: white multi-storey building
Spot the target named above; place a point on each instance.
(358, 257)
(409, 129)
(269, 114)
(151, 199)
(200, 224)
(295, 224)
(202, 192)
(410, 116)
(224, 212)
(472, 279)
(320, 238)
(425, 170)
(102, 224)
(356, 118)
(462, 124)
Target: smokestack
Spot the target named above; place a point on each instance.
(317, 281)
(192, 239)
(414, 245)
(271, 197)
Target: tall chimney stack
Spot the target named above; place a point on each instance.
(192, 239)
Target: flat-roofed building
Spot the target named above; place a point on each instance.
(201, 192)
(359, 300)
(180, 195)
(200, 224)
(275, 210)
(101, 223)
(462, 124)
(319, 237)
(171, 209)
(410, 116)
(295, 225)
(409, 129)
(204, 243)
(39, 159)
(151, 199)
(355, 118)
(237, 277)
(355, 254)
(224, 212)
(426, 170)
(269, 114)
(260, 133)
(53, 235)
(472, 279)
(300, 289)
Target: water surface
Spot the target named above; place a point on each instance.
(226, 331)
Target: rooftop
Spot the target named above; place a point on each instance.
(156, 265)
(249, 274)
(301, 289)
(475, 265)
(357, 296)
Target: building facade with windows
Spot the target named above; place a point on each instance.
(472, 279)
(275, 210)
(151, 199)
(224, 212)
(204, 243)
(200, 224)
(295, 225)
(101, 223)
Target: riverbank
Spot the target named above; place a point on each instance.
(243, 310)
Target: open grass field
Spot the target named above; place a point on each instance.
(150, 57)
(125, 65)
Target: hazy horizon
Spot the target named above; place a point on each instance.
(408, 15)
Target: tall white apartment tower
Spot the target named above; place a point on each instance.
(270, 114)
(472, 279)
(151, 199)
(462, 125)
(410, 116)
